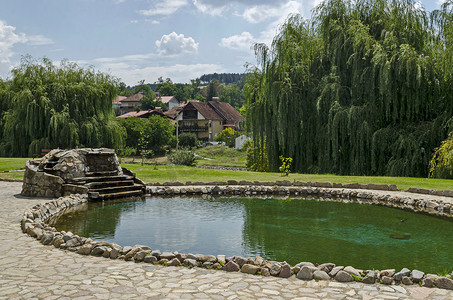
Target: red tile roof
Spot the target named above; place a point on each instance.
(212, 110)
(174, 111)
(205, 110)
(141, 114)
(118, 99)
(133, 98)
(165, 99)
(226, 111)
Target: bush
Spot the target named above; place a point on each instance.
(441, 164)
(256, 157)
(228, 136)
(183, 157)
(127, 151)
(156, 132)
(187, 139)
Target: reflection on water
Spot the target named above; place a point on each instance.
(278, 229)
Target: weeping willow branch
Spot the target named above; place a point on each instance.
(45, 106)
(362, 88)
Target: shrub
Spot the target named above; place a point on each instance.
(187, 139)
(256, 157)
(228, 136)
(127, 151)
(182, 157)
(285, 168)
(441, 164)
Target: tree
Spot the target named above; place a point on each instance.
(148, 101)
(363, 88)
(227, 136)
(233, 95)
(159, 133)
(165, 88)
(124, 90)
(46, 106)
(213, 89)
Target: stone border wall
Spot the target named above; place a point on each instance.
(370, 186)
(34, 223)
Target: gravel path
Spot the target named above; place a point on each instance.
(29, 270)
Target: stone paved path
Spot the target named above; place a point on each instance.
(29, 270)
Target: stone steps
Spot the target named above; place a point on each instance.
(95, 185)
(95, 196)
(117, 189)
(84, 180)
(105, 185)
(101, 173)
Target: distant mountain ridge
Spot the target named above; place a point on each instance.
(226, 78)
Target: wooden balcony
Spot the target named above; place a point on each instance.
(194, 128)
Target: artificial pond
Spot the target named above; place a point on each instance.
(288, 229)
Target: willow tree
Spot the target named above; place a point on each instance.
(362, 88)
(64, 106)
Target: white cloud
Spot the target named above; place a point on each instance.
(210, 8)
(217, 7)
(39, 40)
(256, 14)
(174, 44)
(126, 58)
(260, 13)
(178, 73)
(164, 8)
(8, 38)
(242, 42)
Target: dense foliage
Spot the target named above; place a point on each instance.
(226, 78)
(45, 106)
(187, 140)
(156, 134)
(441, 165)
(184, 157)
(227, 136)
(364, 88)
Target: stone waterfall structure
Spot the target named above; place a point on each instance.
(95, 172)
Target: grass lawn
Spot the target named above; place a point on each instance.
(221, 156)
(10, 168)
(181, 173)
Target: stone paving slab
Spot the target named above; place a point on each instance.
(29, 270)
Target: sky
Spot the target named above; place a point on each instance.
(145, 39)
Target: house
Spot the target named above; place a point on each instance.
(207, 119)
(143, 114)
(117, 102)
(172, 113)
(130, 103)
(170, 101)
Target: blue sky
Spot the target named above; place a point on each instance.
(145, 39)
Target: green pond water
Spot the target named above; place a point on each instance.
(295, 230)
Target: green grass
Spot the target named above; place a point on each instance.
(7, 164)
(148, 174)
(183, 174)
(219, 155)
(12, 168)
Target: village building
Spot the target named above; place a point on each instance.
(143, 114)
(207, 119)
(170, 101)
(128, 104)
